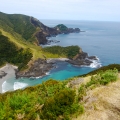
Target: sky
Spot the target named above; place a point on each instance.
(96, 10)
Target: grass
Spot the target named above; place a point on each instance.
(102, 103)
(22, 43)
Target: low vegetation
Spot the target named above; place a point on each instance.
(52, 99)
(68, 52)
(101, 78)
(104, 68)
(49, 100)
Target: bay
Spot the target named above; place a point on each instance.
(100, 38)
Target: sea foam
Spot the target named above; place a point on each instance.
(95, 63)
(19, 85)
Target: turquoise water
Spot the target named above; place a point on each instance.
(101, 39)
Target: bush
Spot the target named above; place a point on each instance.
(59, 104)
(69, 51)
(103, 78)
(104, 68)
(81, 92)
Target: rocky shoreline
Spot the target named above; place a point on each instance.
(82, 59)
(41, 66)
(46, 31)
(2, 74)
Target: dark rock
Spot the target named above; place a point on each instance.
(46, 31)
(82, 59)
(41, 38)
(92, 57)
(39, 68)
(2, 74)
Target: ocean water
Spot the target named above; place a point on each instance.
(101, 39)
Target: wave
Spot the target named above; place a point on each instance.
(47, 73)
(19, 85)
(95, 63)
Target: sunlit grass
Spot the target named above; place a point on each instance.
(22, 43)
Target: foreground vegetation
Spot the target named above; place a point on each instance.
(51, 100)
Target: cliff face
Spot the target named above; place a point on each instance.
(46, 31)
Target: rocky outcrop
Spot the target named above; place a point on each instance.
(82, 59)
(46, 31)
(71, 30)
(39, 68)
(41, 38)
(2, 74)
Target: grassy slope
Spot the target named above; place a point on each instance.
(21, 43)
(102, 103)
(18, 23)
(20, 31)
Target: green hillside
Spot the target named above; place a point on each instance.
(21, 30)
(10, 53)
(20, 24)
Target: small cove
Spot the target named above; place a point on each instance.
(101, 39)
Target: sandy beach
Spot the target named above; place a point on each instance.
(10, 70)
(56, 59)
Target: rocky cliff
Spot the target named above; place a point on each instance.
(82, 58)
(46, 31)
(38, 68)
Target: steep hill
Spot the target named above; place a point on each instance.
(27, 32)
(29, 27)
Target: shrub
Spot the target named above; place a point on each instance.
(104, 68)
(103, 78)
(81, 92)
(69, 51)
(59, 104)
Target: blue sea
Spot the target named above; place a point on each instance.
(101, 39)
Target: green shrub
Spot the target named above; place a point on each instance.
(81, 92)
(59, 104)
(69, 51)
(104, 68)
(103, 78)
